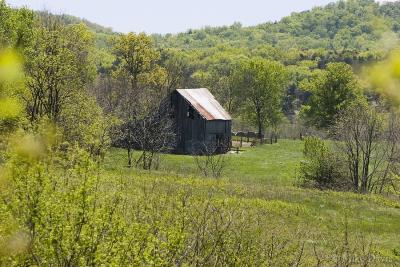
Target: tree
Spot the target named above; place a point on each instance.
(331, 91)
(16, 26)
(148, 83)
(175, 64)
(58, 68)
(209, 161)
(263, 84)
(368, 141)
(135, 57)
(154, 134)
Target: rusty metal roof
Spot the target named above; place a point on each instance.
(205, 103)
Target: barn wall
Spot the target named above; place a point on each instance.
(189, 131)
(192, 133)
(222, 129)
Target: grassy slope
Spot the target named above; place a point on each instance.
(267, 174)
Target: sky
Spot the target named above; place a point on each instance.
(171, 16)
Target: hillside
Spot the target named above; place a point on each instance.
(102, 34)
(69, 20)
(354, 30)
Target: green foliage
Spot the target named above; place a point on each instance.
(84, 123)
(15, 33)
(136, 55)
(59, 66)
(66, 20)
(83, 216)
(321, 167)
(355, 32)
(332, 91)
(346, 30)
(11, 109)
(175, 64)
(137, 68)
(10, 85)
(16, 26)
(264, 84)
(55, 198)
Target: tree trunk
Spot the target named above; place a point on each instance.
(365, 174)
(129, 158)
(356, 165)
(355, 176)
(260, 131)
(144, 160)
(275, 134)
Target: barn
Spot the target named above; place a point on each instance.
(201, 122)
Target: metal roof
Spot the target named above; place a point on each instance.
(205, 103)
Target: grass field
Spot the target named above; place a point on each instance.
(267, 174)
(268, 164)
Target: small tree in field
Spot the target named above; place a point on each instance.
(147, 78)
(364, 156)
(209, 162)
(368, 141)
(153, 135)
(135, 60)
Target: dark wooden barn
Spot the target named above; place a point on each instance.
(201, 122)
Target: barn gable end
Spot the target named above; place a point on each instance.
(200, 121)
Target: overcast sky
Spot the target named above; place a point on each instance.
(171, 16)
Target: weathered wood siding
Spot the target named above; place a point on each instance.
(193, 130)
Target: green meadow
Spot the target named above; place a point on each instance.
(268, 164)
(266, 176)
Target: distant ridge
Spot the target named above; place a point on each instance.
(70, 20)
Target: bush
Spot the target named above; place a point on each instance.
(321, 168)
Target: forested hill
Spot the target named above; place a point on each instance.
(355, 29)
(69, 20)
(101, 33)
(356, 21)
(352, 31)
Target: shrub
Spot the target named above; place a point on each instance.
(321, 167)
